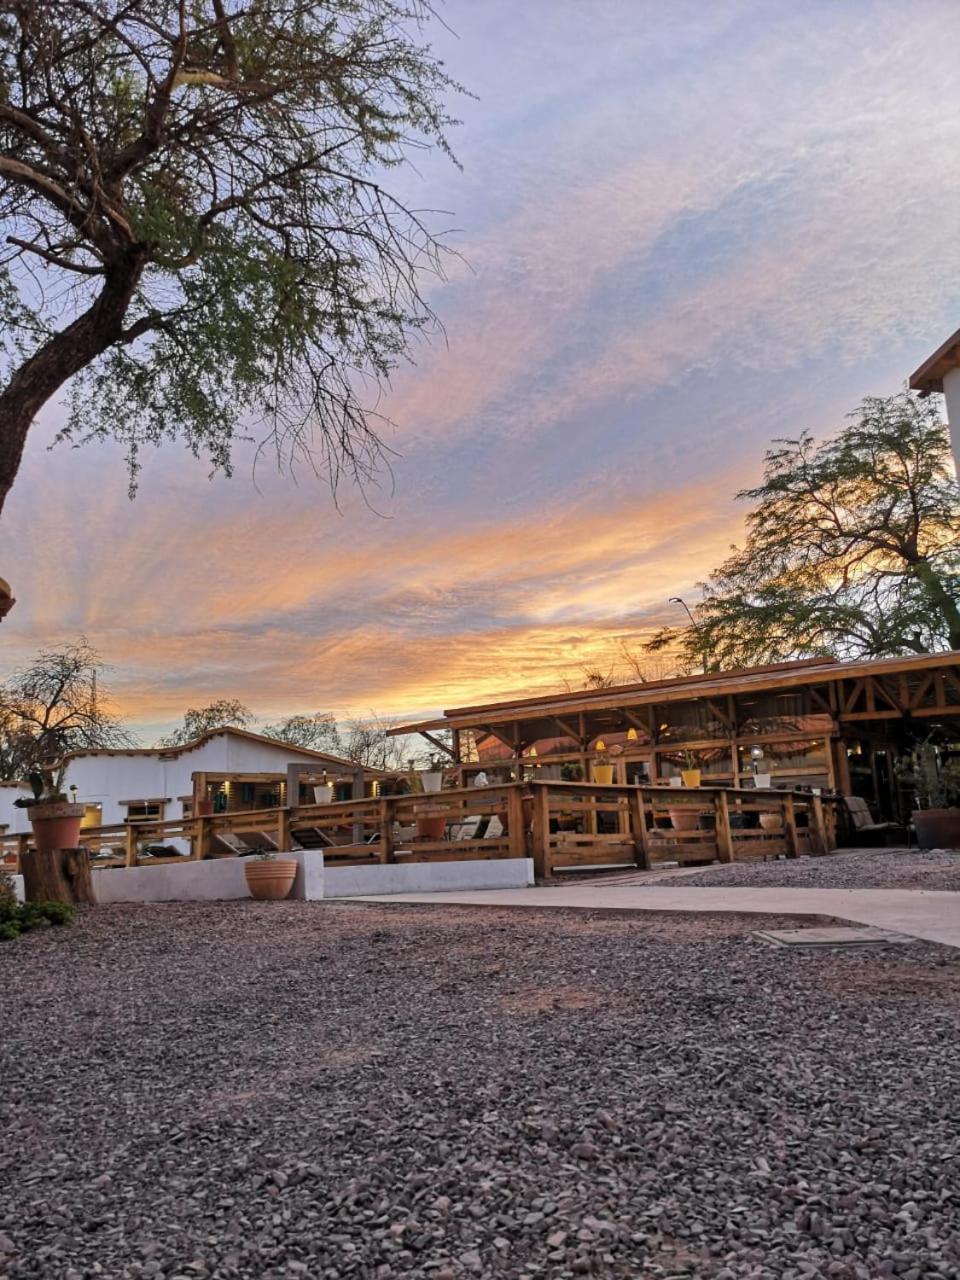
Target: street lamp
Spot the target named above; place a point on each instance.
(683, 605)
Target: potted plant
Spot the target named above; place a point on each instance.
(269, 878)
(936, 788)
(690, 773)
(571, 772)
(429, 826)
(432, 778)
(602, 764)
(55, 818)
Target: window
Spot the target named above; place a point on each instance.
(143, 810)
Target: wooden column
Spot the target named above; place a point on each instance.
(515, 830)
(790, 826)
(818, 829)
(387, 851)
(721, 806)
(130, 838)
(284, 843)
(637, 810)
(542, 863)
(61, 876)
(201, 840)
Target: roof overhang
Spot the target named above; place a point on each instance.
(929, 377)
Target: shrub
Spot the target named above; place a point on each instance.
(18, 917)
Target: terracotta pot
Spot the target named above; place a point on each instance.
(937, 828)
(691, 777)
(684, 819)
(431, 828)
(270, 879)
(603, 773)
(56, 826)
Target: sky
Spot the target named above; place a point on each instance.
(684, 230)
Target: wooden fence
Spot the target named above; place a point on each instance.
(561, 825)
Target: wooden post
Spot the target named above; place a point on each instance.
(721, 806)
(542, 865)
(818, 829)
(515, 832)
(790, 826)
(201, 839)
(637, 809)
(284, 843)
(131, 844)
(387, 853)
(61, 876)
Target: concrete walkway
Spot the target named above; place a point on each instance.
(933, 916)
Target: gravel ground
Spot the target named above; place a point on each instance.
(847, 869)
(334, 1091)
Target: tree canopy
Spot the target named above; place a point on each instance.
(55, 704)
(197, 233)
(852, 549)
(225, 712)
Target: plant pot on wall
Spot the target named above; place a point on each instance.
(603, 773)
(431, 828)
(684, 819)
(270, 879)
(691, 777)
(323, 795)
(56, 825)
(762, 781)
(432, 779)
(937, 828)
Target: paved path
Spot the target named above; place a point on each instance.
(933, 916)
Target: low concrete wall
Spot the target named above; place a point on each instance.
(427, 877)
(216, 880)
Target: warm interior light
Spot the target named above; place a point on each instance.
(600, 745)
(631, 735)
(533, 751)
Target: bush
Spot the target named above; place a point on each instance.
(6, 887)
(18, 917)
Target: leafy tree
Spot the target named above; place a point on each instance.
(54, 705)
(226, 712)
(852, 549)
(197, 231)
(318, 732)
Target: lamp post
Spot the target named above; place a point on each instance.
(693, 622)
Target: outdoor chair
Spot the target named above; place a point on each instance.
(863, 829)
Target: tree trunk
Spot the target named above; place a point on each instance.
(63, 876)
(56, 362)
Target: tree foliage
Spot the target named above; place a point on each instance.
(317, 732)
(197, 229)
(224, 713)
(54, 705)
(852, 549)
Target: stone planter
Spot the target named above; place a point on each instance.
(937, 828)
(270, 879)
(56, 826)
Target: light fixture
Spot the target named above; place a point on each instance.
(631, 735)
(599, 745)
(532, 753)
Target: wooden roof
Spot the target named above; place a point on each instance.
(929, 377)
(784, 675)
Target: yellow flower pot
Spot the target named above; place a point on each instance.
(691, 777)
(603, 773)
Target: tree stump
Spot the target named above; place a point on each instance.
(63, 876)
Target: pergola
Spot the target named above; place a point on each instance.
(813, 723)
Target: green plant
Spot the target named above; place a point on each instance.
(46, 783)
(571, 772)
(935, 782)
(19, 917)
(6, 887)
(690, 760)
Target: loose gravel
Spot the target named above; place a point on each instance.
(328, 1091)
(846, 869)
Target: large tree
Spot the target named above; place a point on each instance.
(852, 549)
(318, 732)
(55, 704)
(223, 713)
(197, 233)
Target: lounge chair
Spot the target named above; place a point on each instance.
(864, 829)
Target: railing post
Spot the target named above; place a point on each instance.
(721, 808)
(818, 826)
(542, 866)
(284, 843)
(387, 853)
(637, 808)
(201, 838)
(790, 826)
(130, 839)
(515, 832)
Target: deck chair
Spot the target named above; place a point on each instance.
(864, 828)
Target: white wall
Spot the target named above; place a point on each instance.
(951, 393)
(108, 779)
(427, 877)
(219, 880)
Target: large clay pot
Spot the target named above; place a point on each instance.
(431, 828)
(691, 777)
(270, 879)
(771, 821)
(56, 826)
(937, 828)
(684, 819)
(603, 773)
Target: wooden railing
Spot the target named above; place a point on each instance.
(561, 825)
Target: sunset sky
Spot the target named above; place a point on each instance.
(686, 228)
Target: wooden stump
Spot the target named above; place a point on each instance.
(63, 876)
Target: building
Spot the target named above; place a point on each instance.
(941, 373)
(226, 769)
(818, 723)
